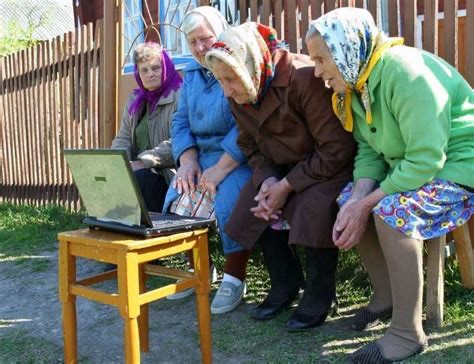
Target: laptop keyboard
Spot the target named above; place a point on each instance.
(169, 223)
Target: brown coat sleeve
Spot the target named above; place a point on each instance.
(262, 167)
(334, 148)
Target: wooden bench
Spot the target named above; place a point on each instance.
(131, 255)
(438, 250)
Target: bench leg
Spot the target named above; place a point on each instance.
(435, 282)
(464, 241)
(143, 318)
(67, 276)
(201, 266)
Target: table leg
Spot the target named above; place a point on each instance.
(143, 318)
(128, 290)
(201, 266)
(132, 340)
(67, 276)
(70, 331)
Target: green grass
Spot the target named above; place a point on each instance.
(26, 231)
(18, 347)
(31, 230)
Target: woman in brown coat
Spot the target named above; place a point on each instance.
(301, 159)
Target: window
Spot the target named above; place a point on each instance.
(384, 16)
(172, 12)
(132, 27)
(171, 15)
(228, 8)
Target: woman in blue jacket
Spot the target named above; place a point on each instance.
(204, 146)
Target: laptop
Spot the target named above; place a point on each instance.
(112, 198)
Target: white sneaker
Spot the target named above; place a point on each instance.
(190, 291)
(228, 297)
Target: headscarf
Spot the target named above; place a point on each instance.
(170, 81)
(214, 20)
(248, 49)
(356, 45)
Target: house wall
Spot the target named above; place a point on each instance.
(87, 11)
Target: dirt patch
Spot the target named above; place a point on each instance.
(33, 308)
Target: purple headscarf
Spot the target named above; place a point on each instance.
(170, 81)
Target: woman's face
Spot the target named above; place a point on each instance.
(324, 65)
(200, 41)
(150, 73)
(230, 82)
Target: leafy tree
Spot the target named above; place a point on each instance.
(20, 34)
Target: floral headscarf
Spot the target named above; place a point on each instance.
(248, 49)
(170, 81)
(356, 45)
(215, 21)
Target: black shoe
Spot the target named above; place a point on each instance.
(300, 321)
(286, 275)
(365, 319)
(269, 308)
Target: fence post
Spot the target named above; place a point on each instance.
(430, 26)
(109, 65)
(470, 42)
(409, 28)
(451, 32)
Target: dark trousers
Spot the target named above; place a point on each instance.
(153, 187)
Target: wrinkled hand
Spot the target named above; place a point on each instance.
(351, 223)
(211, 178)
(271, 198)
(136, 165)
(186, 177)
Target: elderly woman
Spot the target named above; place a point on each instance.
(145, 128)
(204, 138)
(412, 115)
(301, 158)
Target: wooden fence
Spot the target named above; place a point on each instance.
(49, 101)
(451, 37)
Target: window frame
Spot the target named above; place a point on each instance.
(128, 29)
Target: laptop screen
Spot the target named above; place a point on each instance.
(103, 178)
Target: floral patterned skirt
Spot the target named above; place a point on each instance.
(430, 211)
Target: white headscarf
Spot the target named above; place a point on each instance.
(214, 20)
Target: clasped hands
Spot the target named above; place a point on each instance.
(271, 198)
(350, 224)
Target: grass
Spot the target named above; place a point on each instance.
(26, 232)
(18, 347)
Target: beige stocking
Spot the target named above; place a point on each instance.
(374, 261)
(404, 261)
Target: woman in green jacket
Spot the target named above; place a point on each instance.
(412, 115)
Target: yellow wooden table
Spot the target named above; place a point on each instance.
(131, 255)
